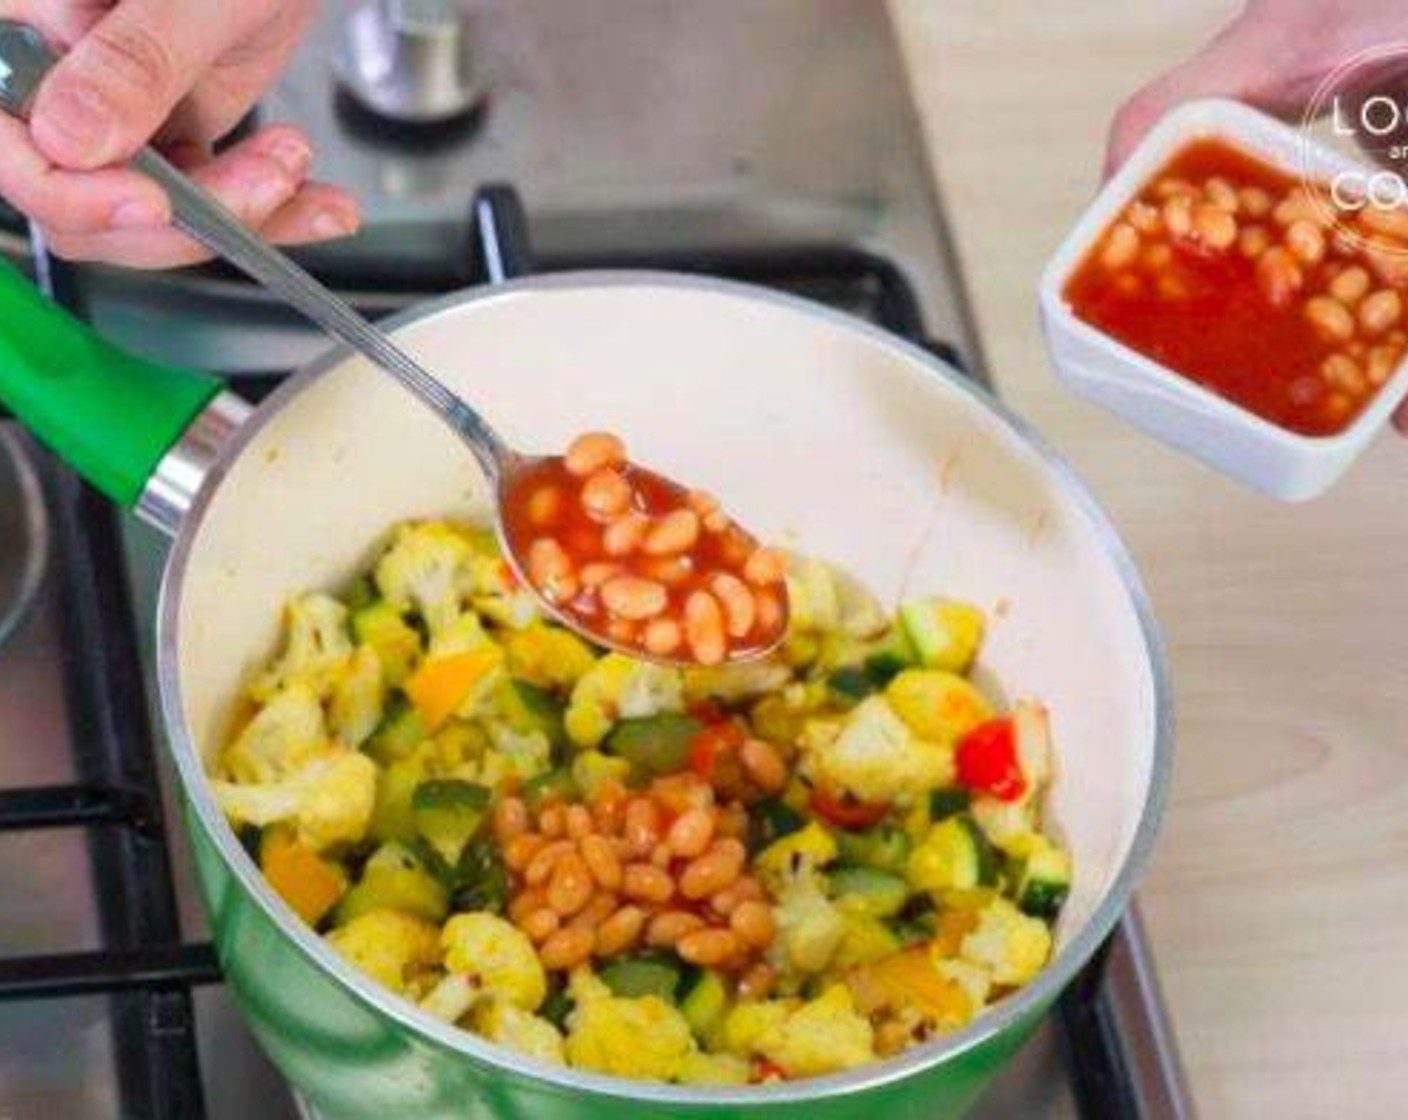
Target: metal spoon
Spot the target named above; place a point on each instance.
(25, 59)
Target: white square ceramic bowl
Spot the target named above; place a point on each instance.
(1164, 403)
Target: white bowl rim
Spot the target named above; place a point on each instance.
(987, 1025)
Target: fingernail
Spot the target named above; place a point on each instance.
(291, 153)
(82, 126)
(137, 213)
(330, 223)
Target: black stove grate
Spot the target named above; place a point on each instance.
(144, 967)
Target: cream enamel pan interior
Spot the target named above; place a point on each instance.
(818, 430)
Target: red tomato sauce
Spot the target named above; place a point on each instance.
(1203, 313)
(724, 551)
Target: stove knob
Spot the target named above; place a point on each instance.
(409, 60)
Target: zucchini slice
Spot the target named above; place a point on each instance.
(867, 892)
(480, 880)
(644, 974)
(556, 783)
(769, 820)
(655, 745)
(948, 802)
(955, 855)
(849, 685)
(946, 633)
(447, 813)
(399, 733)
(885, 847)
(397, 645)
(1044, 883)
(394, 879)
(705, 1004)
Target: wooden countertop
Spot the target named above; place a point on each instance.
(1278, 897)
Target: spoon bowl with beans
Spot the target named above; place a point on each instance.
(638, 562)
(623, 556)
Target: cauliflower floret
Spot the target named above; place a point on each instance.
(810, 927)
(618, 687)
(813, 602)
(358, 696)
(798, 852)
(751, 1022)
(389, 946)
(429, 566)
(520, 1030)
(337, 805)
(329, 799)
(1008, 824)
(973, 981)
(823, 599)
(700, 1068)
(497, 957)
(877, 757)
(1010, 945)
(497, 594)
(643, 1037)
(804, 1039)
(584, 985)
(782, 716)
(464, 635)
(316, 645)
(862, 616)
(516, 756)
(818, 734)
(548, 656)
(592, 769)
(514, 610)
(736, 680)
(451, 998)
(281, 737)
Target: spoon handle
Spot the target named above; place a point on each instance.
(25, 59)
(201, 216)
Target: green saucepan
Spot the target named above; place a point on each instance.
(817, 429)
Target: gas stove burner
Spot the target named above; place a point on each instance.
(409, 62)
(24, 532)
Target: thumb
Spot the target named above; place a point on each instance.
(110, 94)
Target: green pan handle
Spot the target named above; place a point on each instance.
(109, 414)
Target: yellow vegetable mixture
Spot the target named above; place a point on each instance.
(768, 870)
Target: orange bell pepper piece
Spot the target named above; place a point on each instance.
(441, 684)
(307, 882)
(953, 926)
(910, 977)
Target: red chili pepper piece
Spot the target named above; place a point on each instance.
(988, 762)
(711, 750)
(764, 1070)
(845, 811)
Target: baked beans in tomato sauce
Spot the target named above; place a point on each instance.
(643, 562)
(1243, 279)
